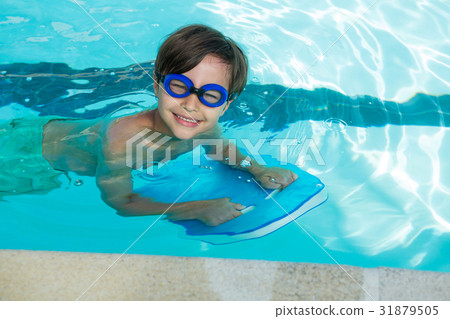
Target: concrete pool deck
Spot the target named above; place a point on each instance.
(45, 275)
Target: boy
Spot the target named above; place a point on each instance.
(198, 73)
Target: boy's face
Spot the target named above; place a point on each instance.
(171, 110)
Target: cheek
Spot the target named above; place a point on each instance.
(212, 117)
(164, 102)
(213, 113)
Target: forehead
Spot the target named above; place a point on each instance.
(210, 70)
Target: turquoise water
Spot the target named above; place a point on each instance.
(354, 98)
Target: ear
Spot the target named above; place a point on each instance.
(226, 106)
(155, 84)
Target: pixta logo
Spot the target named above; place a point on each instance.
(289, 149)
(141, 149)
(149, 149)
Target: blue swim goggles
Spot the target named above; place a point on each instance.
(178, 85)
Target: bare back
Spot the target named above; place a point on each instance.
(69, 145)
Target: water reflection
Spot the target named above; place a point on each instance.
(56, 89)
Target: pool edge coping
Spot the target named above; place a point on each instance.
(54, 275)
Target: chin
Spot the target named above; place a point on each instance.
(184, 134)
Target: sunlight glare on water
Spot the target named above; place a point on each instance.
(384, 51)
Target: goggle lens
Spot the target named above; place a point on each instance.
(178, 87)
(212, 96)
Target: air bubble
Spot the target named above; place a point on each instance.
(242, 106)
(255, 80)
(248, 180)
(78, 182)
(29, 78)
(27, 100)
(335, 124)
(3, 72)
(112, 73)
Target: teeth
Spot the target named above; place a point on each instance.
(185, 119)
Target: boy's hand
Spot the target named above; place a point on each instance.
(211, 212)
(274, 177)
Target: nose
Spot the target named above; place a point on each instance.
(191, 103)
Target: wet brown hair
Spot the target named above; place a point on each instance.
(185, 48)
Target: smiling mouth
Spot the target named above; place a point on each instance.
(188, 120)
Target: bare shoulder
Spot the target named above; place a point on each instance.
(117, 131)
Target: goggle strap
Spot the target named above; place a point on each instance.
(231, 96)
(159, 76)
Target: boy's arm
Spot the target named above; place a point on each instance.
(114, 179)
(230, 154)
(116, 187)
(113, 176)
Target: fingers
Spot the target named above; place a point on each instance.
(278, 180)
(273, 182)
(237, 209)
(225, 217)
(238, 206)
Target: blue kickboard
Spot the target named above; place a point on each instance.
(215, 180)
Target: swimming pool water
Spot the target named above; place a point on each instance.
(382, 151)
